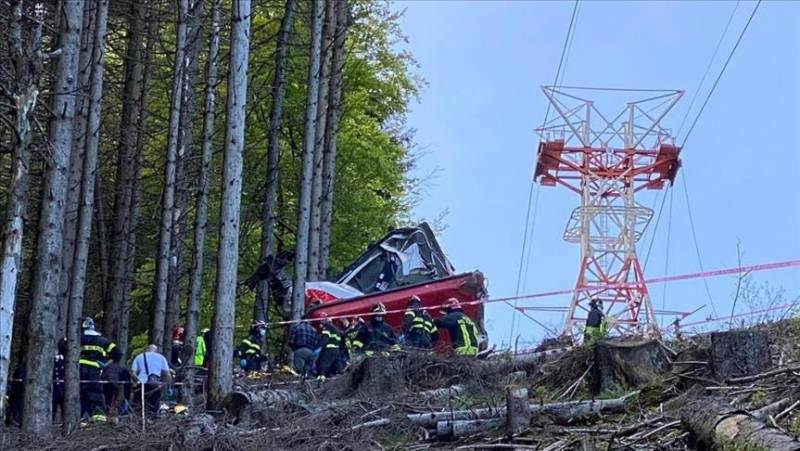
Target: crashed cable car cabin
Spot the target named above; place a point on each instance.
(404, 263)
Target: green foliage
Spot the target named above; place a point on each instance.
(373, 148)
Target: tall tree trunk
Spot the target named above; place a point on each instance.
(37, 413)
(130, 259)
(76, 159)
(128, 140)
(260, 308)
(157, 333)
(319, 140)
(86, 209)
(304, 205)
(183, 170)
(101, 241)
(331, 134)
(220, 374)
(203, 185)
(22, 93)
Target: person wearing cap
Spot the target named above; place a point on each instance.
(249, 351)
(97, 352)
(330, 344)
(418, 328)
(302, 341)
(595, 328)
(380, 337)
(462, 330)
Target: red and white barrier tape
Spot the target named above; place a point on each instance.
(665, 279)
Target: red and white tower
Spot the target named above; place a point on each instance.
(607, 162)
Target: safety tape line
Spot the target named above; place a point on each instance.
(696, 275)
(119, 382)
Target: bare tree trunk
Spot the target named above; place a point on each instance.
(204, 181)
(128, 140)
(260, 308)
(76, 159)
(78, 278)
(183, 170)
(319, 140)
(220, 375)
(130, 258)
(160, 282)
(101, 238)
(331, 134)
(37, 413)
(22, 93)
(304, 205)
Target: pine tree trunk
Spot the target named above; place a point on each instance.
(84, 230)
(37, 413)
(22, 93)
(331, 134)
(128, 140)
(304, 205)
(76, 159)
(260, 307)
(182, 173)
(203, 184)
(101, 238)
(220, 374)
(129, 273)
(319, 140)
(160, 282)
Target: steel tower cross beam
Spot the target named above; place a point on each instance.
(606, 162)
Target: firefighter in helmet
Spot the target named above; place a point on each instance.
(249, 350)
(418, 327)
(97, 352)
(380, 337)
(462, 330)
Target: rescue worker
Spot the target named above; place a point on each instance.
(96, 352)
(462, 330)
(380, 337)
(418, 328)
(330, 344)
(16, 386)
(200, 347)
(595, 324)
(249, 351)
(302, 341)
(355, 335)
(175, 358)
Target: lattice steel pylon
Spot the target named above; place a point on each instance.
(607, 162)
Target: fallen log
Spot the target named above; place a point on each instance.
(560, 411)
(441, 393)
(716, 424)
(238, 401)
(449, 430)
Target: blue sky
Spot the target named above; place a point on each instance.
(484, 63)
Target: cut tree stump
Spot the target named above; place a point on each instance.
(716, 424)
(623, 364)
(739, 353)
(518, 413)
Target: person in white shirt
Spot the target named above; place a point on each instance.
(152, 370)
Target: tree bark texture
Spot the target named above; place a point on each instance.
(307, 172)
(160, 282)
(220, 374)
(126, 160)
(37, 413)
(85, 212)
(183, 170)
(328, 30)
(261, 306)
(331, 136)
(79, 135)
(203, 186)
(737, 353)
(22, 93)
(717, 425)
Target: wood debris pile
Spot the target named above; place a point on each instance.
(715, 391)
